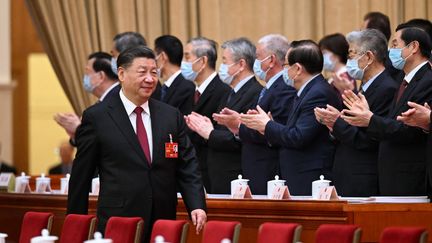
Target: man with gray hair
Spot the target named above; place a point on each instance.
(224, 154)
(198, 65)
(260, 159)
(355, 162)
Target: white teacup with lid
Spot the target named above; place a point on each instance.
(43, 184)
(272, 184)
(238, 182)
(22, 183)
(3, 237)
(64, 184)
(98, 239)
(318, 185)
(44, 238)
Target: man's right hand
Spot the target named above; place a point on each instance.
(228, 118)
(69, 122)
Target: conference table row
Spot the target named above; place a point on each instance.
(371, 217)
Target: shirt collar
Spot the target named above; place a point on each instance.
(365, 86)
(304, 85)
(411, 74)
(170, 80)
(107, 91)
(241, 83)
(130, 106)
(273, 79)
(206, 82)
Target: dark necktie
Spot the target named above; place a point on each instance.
(261, 95)
(164, 90)
(142, 134)
(401, 90)
(230, 96)
(196, 96)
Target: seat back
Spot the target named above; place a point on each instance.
(124, 229)
(330, 233)
(33, 223)
(216, 231)
(173, 231)
(77, 228)
(404, 234)
(279, 233)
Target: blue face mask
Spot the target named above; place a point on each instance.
(258, 70)
(395, 55)
(224, 75)
(329, 65)
(288, 81)
(114, 65)
(353, 69)
(87, 84)
(187, 71)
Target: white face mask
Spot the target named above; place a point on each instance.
(261, 74)
(224, 75)
(187, 70)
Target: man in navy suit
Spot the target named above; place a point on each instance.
(355, 163)
(99, 80)
(199, 64)
(224, 154)
(306, 150)
(402, 149)
(141, 149)
(260, 159)
(176, 90)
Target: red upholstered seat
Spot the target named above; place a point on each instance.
(216, 231)
(77, 228)
(279, 233)
(404, 235)
(124, 229)
(33, 223)
(173, 231)
(338, 233)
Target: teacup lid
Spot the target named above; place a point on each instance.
(67, 177)
(240, 178)
(159, 239)
(45, 237)
(98, 239)
(43, 178)
(23, 176)
(321, 180)
(276, 179)
(2, 235)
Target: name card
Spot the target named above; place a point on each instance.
(7, 182)
(242, 192)
(328, 193)
(280, 192)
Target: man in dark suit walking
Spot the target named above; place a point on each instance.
(199, 63)
(141, 149)
(355, 163)
(224, 154)
(402, 149)
(176, 90)
(306, 151)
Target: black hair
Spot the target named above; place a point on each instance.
(103, 63)
(337, 44)
(308, 54)
(126, 57)
(172, 47)
(423, 24)
(410, 34)
(127, 40)
(378, 21)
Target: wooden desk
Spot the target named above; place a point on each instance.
(373, 218)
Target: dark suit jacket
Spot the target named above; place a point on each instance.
(157, 93)
(214, 94)
(7, 168)
(306, 148)
(402, 150)
(224, 154)
(112, 92)
(180, 94)
(355, 163)
(128, 185)
(260, 160)
(56, 170)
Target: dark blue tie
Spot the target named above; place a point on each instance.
(262, 93)
(163, 92)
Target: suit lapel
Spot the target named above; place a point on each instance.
(407, 94)
(207, 94)
(157, 129)
(118, 114)
(376, 83)
(172, 88)
(242, 91)
(298, 101)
